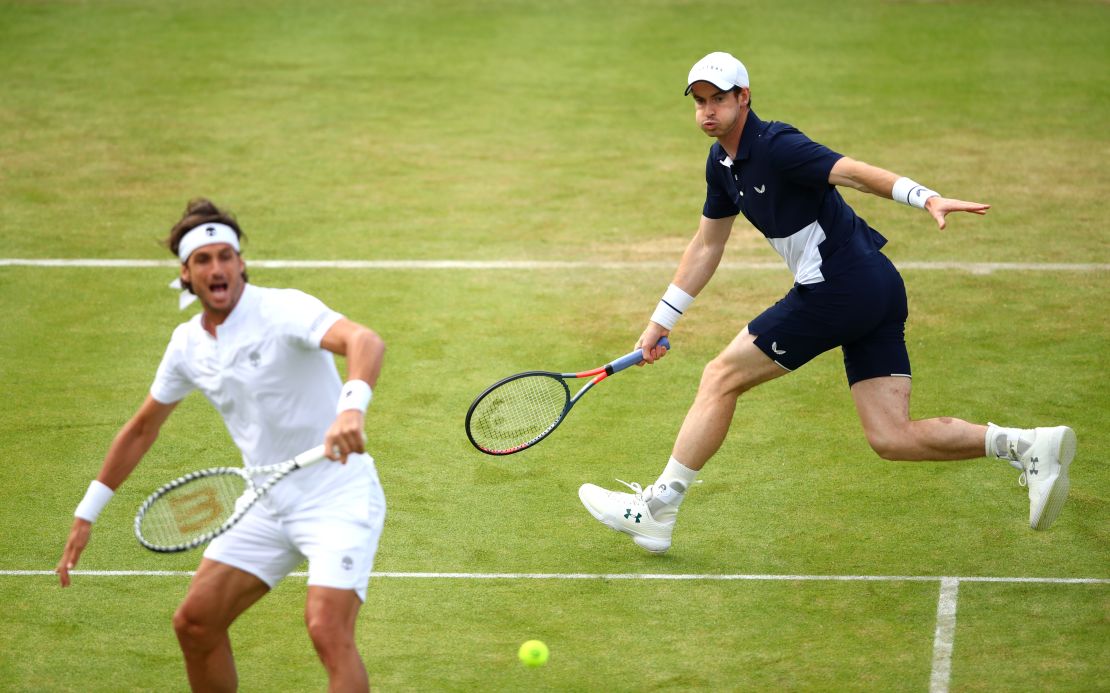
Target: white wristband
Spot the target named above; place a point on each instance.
(911, 193)
(94, 501)
(356, 394)
(674, 303)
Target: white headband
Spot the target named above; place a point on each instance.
(206, 234)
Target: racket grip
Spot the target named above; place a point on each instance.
(312, 456)
(633, 358)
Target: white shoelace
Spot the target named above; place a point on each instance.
(1015, 462)
(638, 490)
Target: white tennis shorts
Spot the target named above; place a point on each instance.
(338, 537)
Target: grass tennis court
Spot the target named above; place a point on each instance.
(527, 131)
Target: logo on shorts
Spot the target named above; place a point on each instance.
(348, 563)
(775, 348)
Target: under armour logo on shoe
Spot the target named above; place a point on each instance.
(628, 515)
(1033, 465)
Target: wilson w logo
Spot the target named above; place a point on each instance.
(194, 510)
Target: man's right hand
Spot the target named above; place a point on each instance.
(78, 539)
(651, 336)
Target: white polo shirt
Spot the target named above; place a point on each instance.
(266, 374)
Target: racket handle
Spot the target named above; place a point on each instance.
(633, 358)
(312, 456)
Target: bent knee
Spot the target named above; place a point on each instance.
(720, 377)
(189, 627)
(888, 452)
(887, 445)
(319, 628)
(328, 633)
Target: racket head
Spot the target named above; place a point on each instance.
(194, 509)
(517, 412)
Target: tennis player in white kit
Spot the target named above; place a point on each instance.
(263, 358)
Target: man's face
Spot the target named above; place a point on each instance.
(216, 274)
(718, 112)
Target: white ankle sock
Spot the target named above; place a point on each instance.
(669, 489)
(1007, 443)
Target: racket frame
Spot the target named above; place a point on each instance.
(277, 471)
(596, 375)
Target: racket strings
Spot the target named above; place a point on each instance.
(518, 412)
(191, 510)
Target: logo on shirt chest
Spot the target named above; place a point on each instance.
(255, 358)
(730, 165)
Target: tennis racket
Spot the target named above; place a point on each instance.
(198, 507)
(517, 412)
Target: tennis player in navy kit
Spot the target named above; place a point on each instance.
(846, 293)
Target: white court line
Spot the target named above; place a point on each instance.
(972, 267)
(612, 576)
(945, 636)
(943, 639)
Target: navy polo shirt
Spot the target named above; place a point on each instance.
(780, 183)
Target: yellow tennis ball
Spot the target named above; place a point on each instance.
(533, 653)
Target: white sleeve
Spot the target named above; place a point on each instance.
(170, 382)
(306, 317)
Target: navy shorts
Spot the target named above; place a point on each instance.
(862, 310)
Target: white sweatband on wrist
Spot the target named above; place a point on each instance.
(94, 501)
(356, 394)
(674, 303)
(911, 193)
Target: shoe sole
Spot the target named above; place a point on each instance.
(636, 538)
(1059, 493)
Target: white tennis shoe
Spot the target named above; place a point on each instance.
(629, 513)
(1045, 471)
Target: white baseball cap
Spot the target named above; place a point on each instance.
(719, 69)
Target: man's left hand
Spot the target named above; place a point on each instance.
(939, 207)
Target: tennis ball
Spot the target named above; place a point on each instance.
(533, 653)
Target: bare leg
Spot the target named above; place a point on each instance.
(649, 516)
(217, 595)
(330, 615)
(739, 368)
(884, 410)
